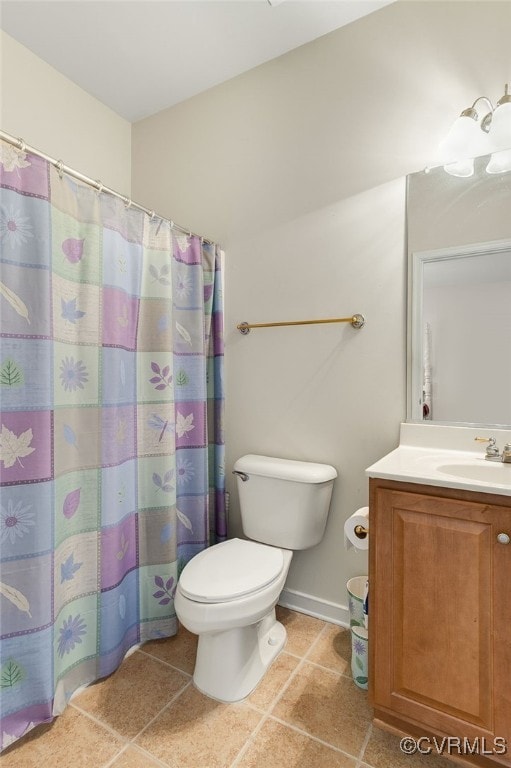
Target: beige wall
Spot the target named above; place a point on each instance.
(297, 167)
(54, 115)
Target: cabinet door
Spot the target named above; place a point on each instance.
(432, 612)
(502, 628)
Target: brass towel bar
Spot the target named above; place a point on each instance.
(357, 321)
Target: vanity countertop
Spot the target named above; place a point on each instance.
(446, 456)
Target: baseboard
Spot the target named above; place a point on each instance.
(314, 606)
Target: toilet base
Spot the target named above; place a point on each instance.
(231, 663)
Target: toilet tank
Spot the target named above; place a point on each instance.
(284, 502)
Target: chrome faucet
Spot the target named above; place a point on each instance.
(493, 453)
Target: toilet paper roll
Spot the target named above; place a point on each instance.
(358, 518)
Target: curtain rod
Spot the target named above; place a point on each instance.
(62, 168)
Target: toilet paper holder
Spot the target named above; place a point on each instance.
(361, 531)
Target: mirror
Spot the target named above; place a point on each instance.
(459, 297)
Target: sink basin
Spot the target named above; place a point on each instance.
(445, 456)
(489, 472)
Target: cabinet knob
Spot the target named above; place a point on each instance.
(503, 538)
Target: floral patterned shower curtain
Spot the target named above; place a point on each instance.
(111, 446)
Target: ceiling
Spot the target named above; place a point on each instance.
(141, 56)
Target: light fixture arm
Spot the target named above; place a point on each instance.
(486, 99)
(506, 98)
(472, 112)
(486, 120)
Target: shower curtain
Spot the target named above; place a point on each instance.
(111, 444)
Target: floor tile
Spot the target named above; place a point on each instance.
(134, 758)
(333, 649)
(197, 732)
(180, 650)
(382, 751)
(73, 739)
(273, 681)
(112, 700)
(301, 630)
(276, 746)
(326, 705)
(307, 688)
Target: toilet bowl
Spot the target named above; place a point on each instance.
(227, 596)
(227, 593)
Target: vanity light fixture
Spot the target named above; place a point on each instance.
(474, 134)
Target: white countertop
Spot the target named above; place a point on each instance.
(432, 454)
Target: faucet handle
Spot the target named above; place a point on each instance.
(492, 449)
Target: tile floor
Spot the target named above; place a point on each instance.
(306, 713)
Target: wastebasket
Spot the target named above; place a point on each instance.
(359, 657)
(356, 593)
(357, 596)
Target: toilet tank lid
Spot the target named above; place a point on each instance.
(285, 469)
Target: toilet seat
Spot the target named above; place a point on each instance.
(230, 570)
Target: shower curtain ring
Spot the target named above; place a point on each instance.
(100, 188)
(127, 202)
(171, 224)
(59, 166)
(22, 146)
(152, 214)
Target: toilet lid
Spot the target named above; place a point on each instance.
(230, 570)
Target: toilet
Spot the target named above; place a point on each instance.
(227, 594)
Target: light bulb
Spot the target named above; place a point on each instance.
(500, 129)
(500, 162)
(500, 139)
(464, 140)
(462, 168)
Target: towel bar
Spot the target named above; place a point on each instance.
(357, 321)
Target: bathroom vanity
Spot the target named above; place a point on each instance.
(440, 607)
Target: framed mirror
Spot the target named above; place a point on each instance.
(461, 334)
(459, 298)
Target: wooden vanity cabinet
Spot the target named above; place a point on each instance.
(440, 614)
